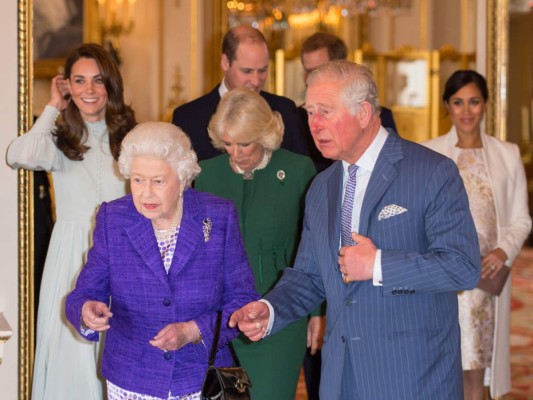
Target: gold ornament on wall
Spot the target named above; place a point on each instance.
(116, 20)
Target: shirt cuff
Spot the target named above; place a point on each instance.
(85, 330)
(271, 319)
(378, 273)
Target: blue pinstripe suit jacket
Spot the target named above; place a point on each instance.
(402, 339)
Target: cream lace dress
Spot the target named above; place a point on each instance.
(476, 307)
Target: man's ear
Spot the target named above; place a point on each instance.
(224, 62)
(364, 113)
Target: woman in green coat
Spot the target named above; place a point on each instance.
(268, 186)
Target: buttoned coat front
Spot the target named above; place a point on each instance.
(401, 339)
(509, 187)
(209, 273)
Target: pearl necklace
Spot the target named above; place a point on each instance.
(164, 235)
(250, 174)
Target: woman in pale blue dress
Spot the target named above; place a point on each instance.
(80, 150)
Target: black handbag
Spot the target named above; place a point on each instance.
(231, 383)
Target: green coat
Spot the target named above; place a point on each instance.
(270, 208)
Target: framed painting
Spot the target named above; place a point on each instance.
(58, 27)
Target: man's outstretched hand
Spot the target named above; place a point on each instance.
(252, 320)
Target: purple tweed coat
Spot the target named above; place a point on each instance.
(209, 272)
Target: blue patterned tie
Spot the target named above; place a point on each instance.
(347, 207)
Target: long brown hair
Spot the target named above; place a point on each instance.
(71, 132)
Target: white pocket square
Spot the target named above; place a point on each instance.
(390, 211)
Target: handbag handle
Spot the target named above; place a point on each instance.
(215, 341)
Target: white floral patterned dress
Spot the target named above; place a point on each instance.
(476, 307)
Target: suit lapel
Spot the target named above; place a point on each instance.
(334, 195)
(142, 237)
(191, 232)
(381, 178)
(214, 98)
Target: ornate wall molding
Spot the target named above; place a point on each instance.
(497, 64)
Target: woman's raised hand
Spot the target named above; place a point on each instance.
(59, 92)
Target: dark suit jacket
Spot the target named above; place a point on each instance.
(402, 339)
(209, 272)
(193, 118)
(321, 163)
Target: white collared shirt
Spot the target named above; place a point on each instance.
(366, 164)
(222, 89)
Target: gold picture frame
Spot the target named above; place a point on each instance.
(28, 70)
(45, 66)
(497, 46)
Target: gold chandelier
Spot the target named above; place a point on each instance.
(278, 8)
(286, 22)
(281, 15)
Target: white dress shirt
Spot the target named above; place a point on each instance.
(366, 164)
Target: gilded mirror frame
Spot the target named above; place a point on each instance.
(26, 326)
(497, 17)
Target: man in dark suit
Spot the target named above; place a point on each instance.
(388, 240)
(245, 64)
(318, 49)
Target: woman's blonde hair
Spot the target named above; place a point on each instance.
(245, 116)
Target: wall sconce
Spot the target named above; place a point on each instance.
(116, 19)
(5, 334)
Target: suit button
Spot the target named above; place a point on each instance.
(343, 339)
(348, 302)
(166, 302)
(412, 291)
(167, 355)
(394, 292)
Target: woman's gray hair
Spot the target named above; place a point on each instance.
(245, 116)
(358, 83)
(162, 140)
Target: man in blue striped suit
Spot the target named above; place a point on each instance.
(392, 328)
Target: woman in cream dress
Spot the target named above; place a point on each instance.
(495, 181)
(80, 151)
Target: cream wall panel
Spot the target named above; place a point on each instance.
(140, 57)
(8, 198)
(163, 56)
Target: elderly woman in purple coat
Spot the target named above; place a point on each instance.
(165, 260)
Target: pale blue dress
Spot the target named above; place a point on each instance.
(66, 365)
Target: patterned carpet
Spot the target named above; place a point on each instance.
(522, 328)
(521, 331)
